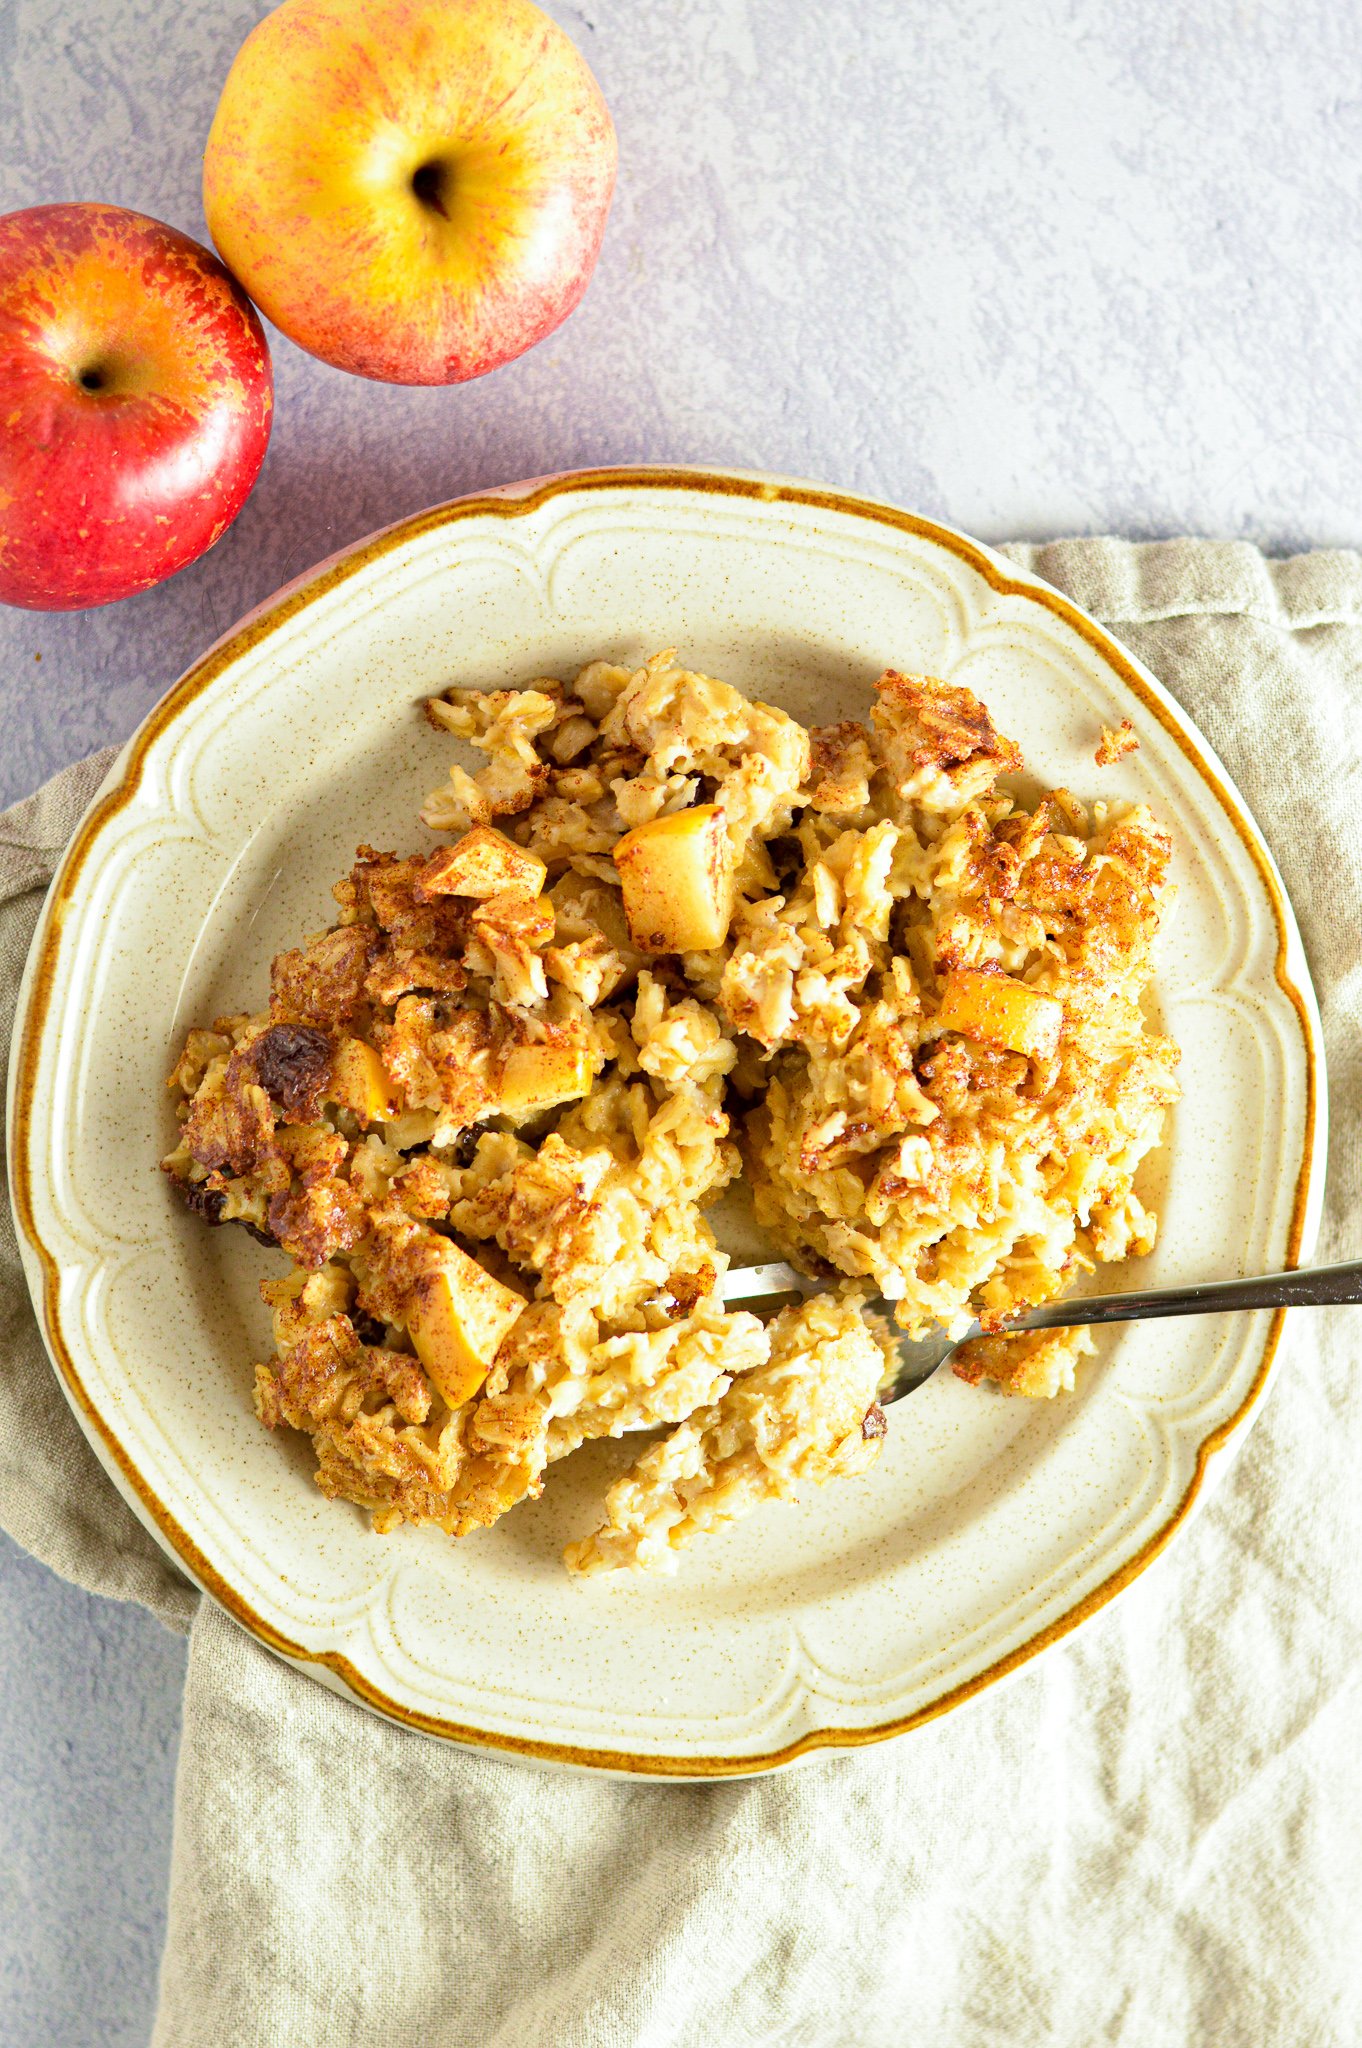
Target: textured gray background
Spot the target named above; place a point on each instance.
(1032, 267)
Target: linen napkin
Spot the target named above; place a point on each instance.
(1149, 1836)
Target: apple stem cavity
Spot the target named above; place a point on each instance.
(91, 380)
(430, 183)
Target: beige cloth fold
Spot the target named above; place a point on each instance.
(1149, 1837)
(54, 1496)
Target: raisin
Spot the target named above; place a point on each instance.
(207, 1202)
(786, 855)
(293, 1065)
(466, 1144)
(200, 1201)
(873, 1422)
(667, 968)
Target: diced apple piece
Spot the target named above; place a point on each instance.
(512, 928)
(999, 1011)
(457, 1317)
(591, 955)
(535, 1077)
(585, 905)
(677, 881)
(483, 863)
(527, 918)
(361, 1082)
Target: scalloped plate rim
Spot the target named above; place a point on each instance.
(330, 1666)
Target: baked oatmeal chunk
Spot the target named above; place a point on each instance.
(799, 1418)
(669, 941)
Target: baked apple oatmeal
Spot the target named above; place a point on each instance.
(672, 939)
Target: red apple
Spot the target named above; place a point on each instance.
(135, 395)
(414, 190)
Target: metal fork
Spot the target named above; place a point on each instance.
(1305, 1287)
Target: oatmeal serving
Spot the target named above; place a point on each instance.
(674, 939)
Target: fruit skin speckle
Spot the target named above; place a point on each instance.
(136, 396)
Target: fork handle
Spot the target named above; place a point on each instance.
(1305, 1287)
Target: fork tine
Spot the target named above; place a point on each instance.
(918, 1362)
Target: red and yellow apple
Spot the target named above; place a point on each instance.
(136, 398)
(414, 190)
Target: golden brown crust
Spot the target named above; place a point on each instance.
(841, 767)
(230, 1126)
(1035, 1363)
(930, 729)
(1114, 745)
(323, 983)
(328, 1374)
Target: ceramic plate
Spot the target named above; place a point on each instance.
(990, 1527)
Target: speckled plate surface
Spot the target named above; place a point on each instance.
(990, 1527)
